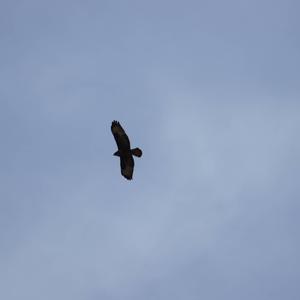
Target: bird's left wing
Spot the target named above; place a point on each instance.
(127, 165)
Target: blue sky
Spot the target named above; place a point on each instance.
(209, 90)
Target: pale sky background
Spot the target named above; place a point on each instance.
(210, 90)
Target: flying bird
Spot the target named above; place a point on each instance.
(124, 151)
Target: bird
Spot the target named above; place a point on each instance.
(124, 150)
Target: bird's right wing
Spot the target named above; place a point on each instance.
(120, 135)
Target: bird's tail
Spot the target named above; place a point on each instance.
(136, 152)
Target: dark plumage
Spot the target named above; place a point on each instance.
(124, 151)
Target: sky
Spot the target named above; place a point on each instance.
(209, 90)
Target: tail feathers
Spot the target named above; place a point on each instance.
(137, 152)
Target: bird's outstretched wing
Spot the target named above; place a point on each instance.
(120, 136)
(127, 165)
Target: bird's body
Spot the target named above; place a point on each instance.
(124, 151)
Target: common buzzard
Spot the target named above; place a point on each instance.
(124, 151)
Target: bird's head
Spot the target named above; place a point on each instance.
(117, 153)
